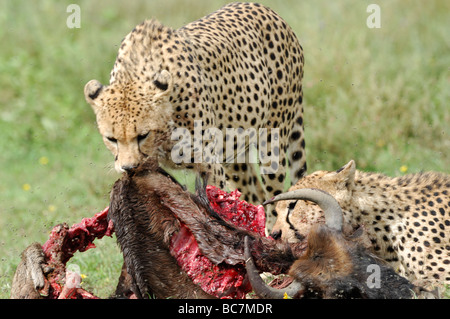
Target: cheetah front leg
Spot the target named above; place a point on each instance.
(272, 168)
(296, 150)
(273, 184)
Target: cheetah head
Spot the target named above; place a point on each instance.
(296, 217)
(134, 118)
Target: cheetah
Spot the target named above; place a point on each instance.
(238, 68)
(406, 219)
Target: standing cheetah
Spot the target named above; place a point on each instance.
(239, 68)
(407, 218)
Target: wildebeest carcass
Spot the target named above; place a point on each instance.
(153, 215)
(326, 265)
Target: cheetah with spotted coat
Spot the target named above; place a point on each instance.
(240, 67)
(407, 218)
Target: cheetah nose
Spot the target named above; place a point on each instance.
(276, 234)
(129, 168)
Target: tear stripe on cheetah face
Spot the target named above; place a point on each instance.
(407, 218)
(239, 67)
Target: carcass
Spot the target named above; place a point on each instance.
(182, 245)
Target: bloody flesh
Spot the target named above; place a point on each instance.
(223, 280)
(64, 242)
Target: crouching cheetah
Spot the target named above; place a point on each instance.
(407, 218)
(233, 76)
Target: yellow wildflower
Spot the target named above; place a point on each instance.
(403, 169)
(43, 160)
(26, 187)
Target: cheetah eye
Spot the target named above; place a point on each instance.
(142, 137)
(111, 139)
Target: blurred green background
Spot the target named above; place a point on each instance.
(378, 96)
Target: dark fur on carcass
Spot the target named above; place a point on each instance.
(144, 224)
(334, 267)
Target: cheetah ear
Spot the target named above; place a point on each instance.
(92, 90)
(163, 82)
(346, 175)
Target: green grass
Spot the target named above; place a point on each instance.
(379, 96)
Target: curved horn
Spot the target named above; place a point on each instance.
(259, 286)
(329, 205)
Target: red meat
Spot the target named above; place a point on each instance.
(61, 246)
(223, 280)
